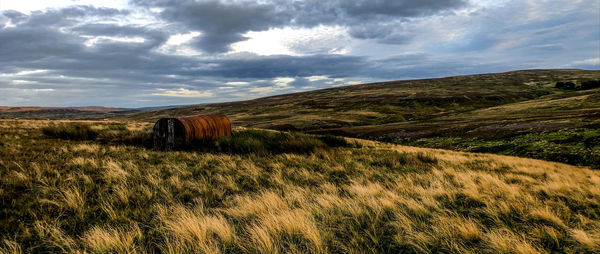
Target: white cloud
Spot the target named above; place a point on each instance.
(21, 81)
(263, 43)
(43, 90)
(178, 39)
(354, 82)
(283, 82)
(237, 83)
(295, 41)
(22, 73)
(93, 40)
(316, 78)
(586, 63)
(591, 61)
(182, 92)
(266, 89)
(178, 44)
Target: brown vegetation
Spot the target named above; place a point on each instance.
(62, 195)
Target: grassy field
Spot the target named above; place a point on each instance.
(96, 187)
(519, 113)
(576, 146)
(560, 127)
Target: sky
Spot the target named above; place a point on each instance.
(142, 53)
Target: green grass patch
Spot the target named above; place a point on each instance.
(263, 142)
(70, 131)
(577, 146)
(260, 142)
(114, 134)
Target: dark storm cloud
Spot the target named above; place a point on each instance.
(354, 12)
(113, 30)
(225, 23)
(152, 37)
(155, 68)
(39, 36)
(300, 82)
(20, 44)
(394, 33)
(396, 8)
(13, 16)
(288, 66)
(60, 43)
(60, 17)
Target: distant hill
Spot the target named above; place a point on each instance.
(516, 113)
(85, 108)
(76, 113)
(384, 102)
(166, 107)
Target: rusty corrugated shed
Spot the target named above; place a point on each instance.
(173, 132)
(205, 126)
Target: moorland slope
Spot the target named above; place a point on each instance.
(106, 192)
(385, 102)
(515, 113)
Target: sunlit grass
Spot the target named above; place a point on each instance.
(62, 195)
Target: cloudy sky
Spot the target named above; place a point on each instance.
(168, 52)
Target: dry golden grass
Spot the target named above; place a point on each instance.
(80, 196)
(587, 241)
(116, 240)
(194, 231)
(274, 228)
(505, 241)
(10, 247)
(54, 236)
(114, 171)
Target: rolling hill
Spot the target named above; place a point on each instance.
(80, 113)
(385, 102)
(515, 113)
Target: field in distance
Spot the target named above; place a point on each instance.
(519, 113)
(80, 113)
(95, 187)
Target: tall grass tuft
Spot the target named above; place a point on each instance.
(114, 134)
(142, 138)
(263, 142)
(115, 240)
(71, 131)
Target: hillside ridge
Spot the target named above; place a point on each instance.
(519, 113)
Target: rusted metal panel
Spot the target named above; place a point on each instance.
(170, 132)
